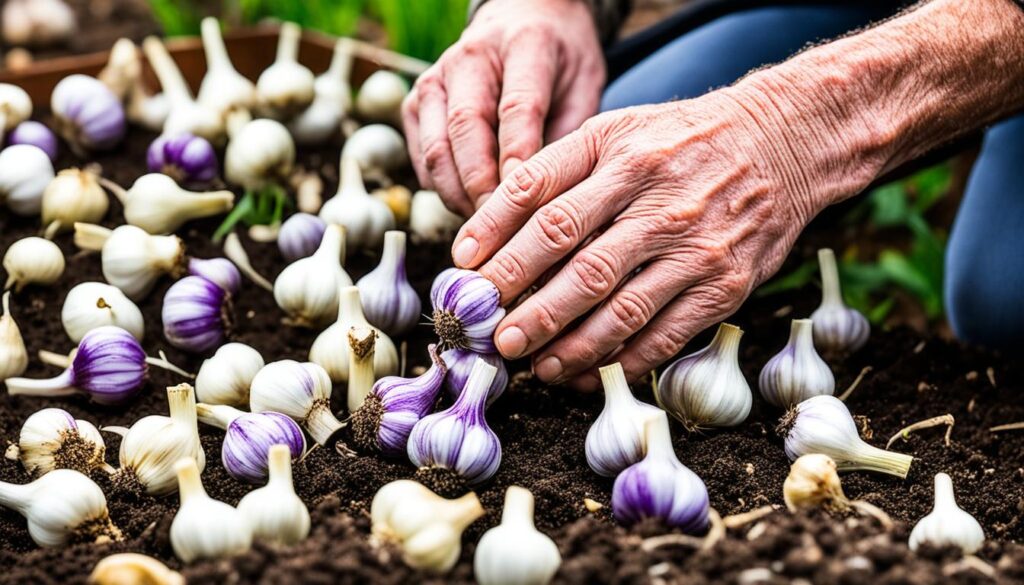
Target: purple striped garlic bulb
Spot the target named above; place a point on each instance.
(300, 236)
(389, 301)
(616, 439)
(838, 329)
(467, 309)
(87, 114)
(183, 157)
(455, 447)
(196, 314)
(394, 406)
(219, 271)
(300, 390)
(35, 134)
(460, 364)
(661, 487)
(248, 438)
(797, 372)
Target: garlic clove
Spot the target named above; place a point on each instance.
(13, 355)
(467, 310)
(380, 97)
(364, 217)
(797, 372)
(616, 439)
(430, 221)
(947, 524)
(377, 147)
(307, 290)
(225, 378)
(301, 391)
(73, 196)
(837, 328)
(533, 560)
(286, 87)
(390, 302)
(25, 172)
(32, 260)
(275, 513)
(133, 569)
(90, 305)
(260, 154)
(813, 481)
(52, 439)
(205, 528)
(330, 348)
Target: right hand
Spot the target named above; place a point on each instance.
(524, 73)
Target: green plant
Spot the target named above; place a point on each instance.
(178, 17)
(421, 28)
(335, 17)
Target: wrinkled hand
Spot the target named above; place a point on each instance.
(653, 223)
(524, 72)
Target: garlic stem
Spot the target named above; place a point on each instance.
(213, 45)
(871, 458)
(182, 402)
(217, 415)
(518, 508)
(288, 42)
(944, 490)
(613, 380)
(321, 424)
(164, 364)
(189, 485)
(14, 496)
(801, 335)
(658, 438)
(830, 292)
(236, 253)
(171, 79)
(280, 467)
(727, 342)
(52, 358)
(341, 60)
(118, 191)
(90, 236)
(361, 342)
(60, 385)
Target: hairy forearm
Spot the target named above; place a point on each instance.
(853, 109)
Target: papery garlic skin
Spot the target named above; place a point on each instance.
(286, 87)
(205, 528)
(73, 196)
(219, 271)
(307, 290)
(467, 310)
(389, 301)
(707, 388)
(299, 390)
(364, 217)
(32, 260)
(13, 355)
(25, 171)
(322, 119)
(430, 221)
(425, 526)
(249, 437)
(616, 439)
(87, 114)
(32, 133)
(275, 513)
(659, 486)
(300, 236)
(947, 524)
(52, 439)
(515, 552)
(133, 569)
(797, 372)
(62, 506)
(259, 154)
(837, 328)
(377, 147)
(184, 158)
(460, 364)
(223, 89)
(133, 260)
(813, 481)
(90, 305)
(225, 378)
(330, 348)
(823, 424)
(380, 97)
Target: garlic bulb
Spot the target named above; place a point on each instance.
(38, 22)
(132, 259)
(467, 309)
(133, 569)
(225, 378)
(533, 560)
(186, 115)
(364, 217)
(425, 526)
(430, 221)
(797, 372)
(398, 198)
(73, 196)
(307, 289)
(15, 107)
(249, 437)
(63, 506)
(87, 114)
(813, 481)
(13, 355)
(286, 87)
(380, 97)
(25, 171)
(205, 528)
(275, 513)
(123, 68)
(947, 523)
(260, 153)
(158, 205)
(32, 133)
(707, 388)
(616, 439)
(32, 260)
(300, 236)
(460, 363)
(299, 390)
(148, 111)
(223, 89)
(185, 158)
(377, 147)
(321, 121)
(196, 314)
(52, 439)
(154, 443)
(390, 302)
(330, 349)
(837, 328)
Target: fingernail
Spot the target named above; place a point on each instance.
(509, 166)
(512, 342)
(548, 369)
(465, 251)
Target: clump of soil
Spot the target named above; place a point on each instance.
(542, 430)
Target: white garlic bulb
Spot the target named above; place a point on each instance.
(63, 505)
(430, 221)
(286, 87)
(186, 115)
(797, 372)
(133, 569)
(301, 391)
(707, 388)
(515, 552)
(275, 513)
(158, 205)
(616, 439)
(364, 217)
(426, 527)
(94, 304)
(33, 260)
(330, 349)
(377, 147)
(52, 439)
(133, 260)
(380, 97)
(25, 171)
(15, 107)
(307, 289)
(259, 154)
(398, 198)
(333, 99)
(73, 196)
(225, 378)
(224, 89)
(13, 355)
(205, 528)
(813, 481)
(947, 523)
(837, 328)
(38, 22)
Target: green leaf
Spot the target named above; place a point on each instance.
(242, 209)
(795, 280)
(889, 205)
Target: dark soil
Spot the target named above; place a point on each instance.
(542, 431)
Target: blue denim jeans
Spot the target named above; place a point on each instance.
(984, 287)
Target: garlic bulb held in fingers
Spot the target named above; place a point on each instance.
(196, 314)
(63, 506)
(87, 114)
(467, 309)
(837, 328)
(364, 217)
(813, 481)
(330, 348)
(25, 172)
(332, 99)
(378, 148)
(659, 486)
(823, 424)
(797, 372)
(249, 437)
(13, 355)
(224, 89)
(455, 447)
(73, 196)
(186, 116)
(300, 236)
(533, 560)
(947, 524)
(94, 304)
(616, 439)
(133, 259)
(32, 260)
(707, 388)
(32, 133)
(390, 302)
(260, 154)
(158, 205)
(133, 569)
(275, 513)
(426, 527)
(52, 439)
(307, 290)
(15, 107)
(430, 221)
(286, 87)
(205, 528)
(299, 390)
(225, 378)
(460, 364)
(380, 97)
(184, 158)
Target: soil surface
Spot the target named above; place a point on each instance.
(542, 430)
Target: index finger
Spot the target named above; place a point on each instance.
(473, 87)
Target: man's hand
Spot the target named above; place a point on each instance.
(524, 72)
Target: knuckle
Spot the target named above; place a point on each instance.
(558, 227)
(665, 342)
(478, 180)
(436, 155)
(507, 270)
(523, 105)
(462, 118)
(631, 311)
(594, 274)
(545, 321)
(429, 82)
(524, 185)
